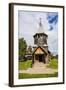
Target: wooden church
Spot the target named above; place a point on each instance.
(40, 52)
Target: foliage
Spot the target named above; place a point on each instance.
(25, 64)
(22, 48)
(24, 75)
(53, 63)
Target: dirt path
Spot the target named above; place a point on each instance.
(39, 68)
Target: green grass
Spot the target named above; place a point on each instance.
(25, 76)
(53, 64)
(28, 64)
(25, 64)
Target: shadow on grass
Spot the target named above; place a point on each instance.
(25, 76)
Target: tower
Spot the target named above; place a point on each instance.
(40, 38)
(40, 53)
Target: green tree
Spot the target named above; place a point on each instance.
(22, 48)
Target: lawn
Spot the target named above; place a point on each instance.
(53, 64)
(25, 64)
(25, 76)
(28, 64)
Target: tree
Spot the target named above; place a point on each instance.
(22, 48)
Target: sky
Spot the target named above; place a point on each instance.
(28, 24)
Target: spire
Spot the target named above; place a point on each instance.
(40, 28)
(40, 24)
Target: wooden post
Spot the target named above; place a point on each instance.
(46, 59)
(34, 58)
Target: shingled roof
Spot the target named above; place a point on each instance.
(40, 29)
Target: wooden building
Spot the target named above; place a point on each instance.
(40, 53)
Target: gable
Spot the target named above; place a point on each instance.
(39, 51)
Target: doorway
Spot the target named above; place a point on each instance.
(40, 58)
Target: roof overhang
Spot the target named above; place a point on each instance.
(40, 33)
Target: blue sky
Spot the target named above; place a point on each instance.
(28, 23)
